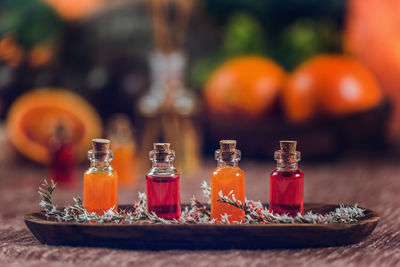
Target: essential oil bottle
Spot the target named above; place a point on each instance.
(227, 177)
(287, 181)
(100, 182)
(123, 145)
(162, 183)
(62, 158)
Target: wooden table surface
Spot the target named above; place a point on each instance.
(374, 184)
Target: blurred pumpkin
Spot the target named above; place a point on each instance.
(372, 35)
(245, 85)
(34, 116)
(334, 84)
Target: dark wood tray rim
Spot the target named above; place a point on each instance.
(203, 236)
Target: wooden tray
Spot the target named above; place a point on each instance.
(156, 236)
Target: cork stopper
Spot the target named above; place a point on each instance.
(287, 153)
(227, 151)
(227, 145)
(288, 146)
(100, 145)
(161, 147)
(162, 152)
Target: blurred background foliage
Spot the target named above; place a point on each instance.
(286, 31)
(100, 50)
(32, 21)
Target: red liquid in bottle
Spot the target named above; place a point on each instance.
(163, 196)
(287, 192)
(62, 165)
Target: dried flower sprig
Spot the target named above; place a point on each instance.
(74, 213)
(255, 212)
(206, 191)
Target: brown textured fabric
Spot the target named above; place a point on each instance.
(372, 184)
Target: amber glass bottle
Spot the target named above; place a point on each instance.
(100, 182)
(287, 181)
(227, 177)
(123, 145)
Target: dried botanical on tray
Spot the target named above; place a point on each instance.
(255, 212)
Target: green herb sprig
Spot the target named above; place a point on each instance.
(197, 213)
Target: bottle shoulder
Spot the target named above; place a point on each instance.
(290, 173)
(228, 171)
(163, 172)
(108, 171)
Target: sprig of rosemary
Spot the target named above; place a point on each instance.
(255, 212)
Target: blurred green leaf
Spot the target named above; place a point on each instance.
(32, 21)
(203, 68)
(305, 38)
(244, 34)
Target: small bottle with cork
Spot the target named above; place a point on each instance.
(287, 181)
(123, 144)
(100, 182)
(162, 183)
(227, 177)
(62, 157)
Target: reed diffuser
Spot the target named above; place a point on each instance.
(168, 106)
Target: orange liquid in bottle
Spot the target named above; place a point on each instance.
(100, 191)
(226, 179)
(124, 163)
(100, 181)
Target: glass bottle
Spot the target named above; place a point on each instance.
(62, 158)
(287, 181)
(124, 148)
(227, 177)
(162, 183)
(100, 181)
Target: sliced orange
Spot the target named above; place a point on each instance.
(34, 116)
(246, 85)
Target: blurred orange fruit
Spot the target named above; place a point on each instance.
(34, 116)
(40, 55)
(245, 85)
(334, 84)
(10, 51)
(372, 36)
(74, 9)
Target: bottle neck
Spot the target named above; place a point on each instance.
(222, 164)
(100, 161)
(162, 160)
(227, 159)
(163, 168)
(162, 164)
(286, 166)
(287, 161)
(100, 165)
